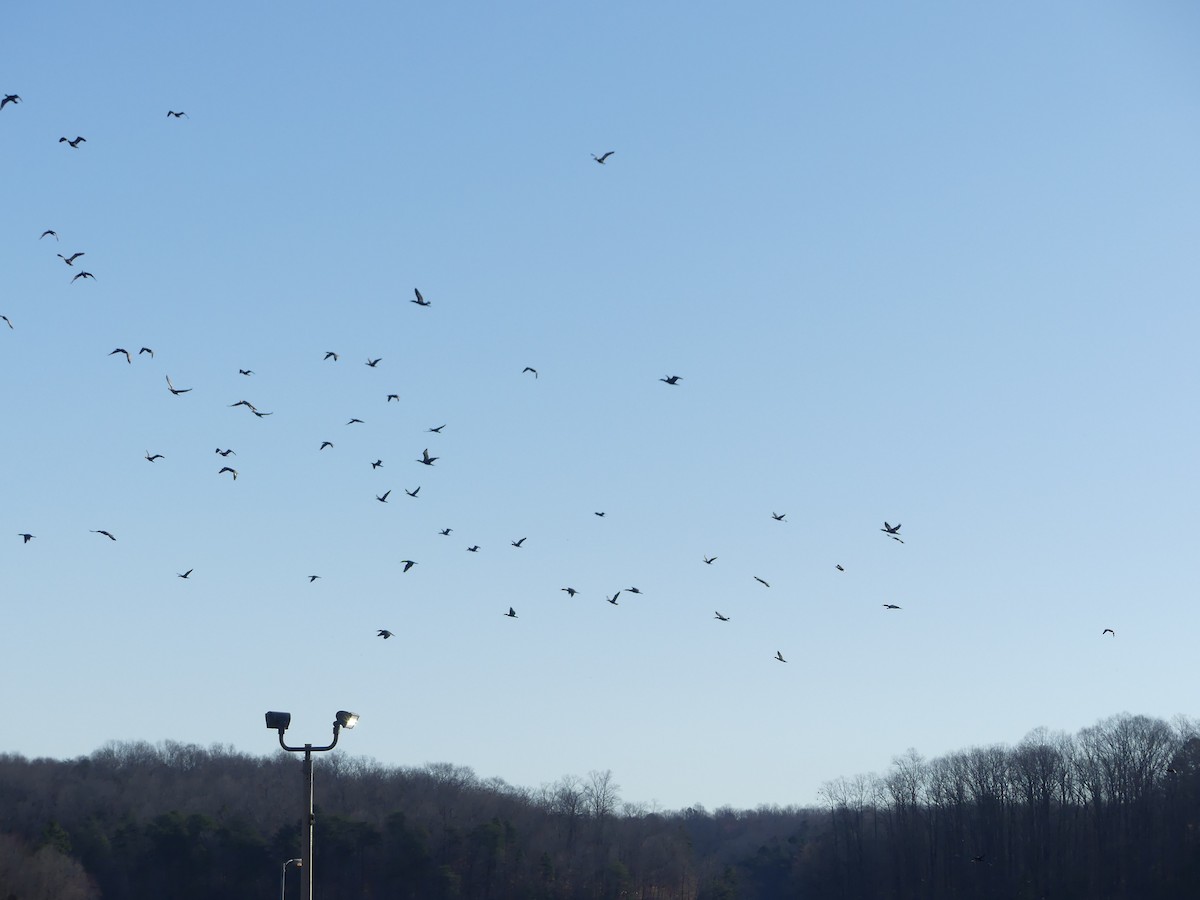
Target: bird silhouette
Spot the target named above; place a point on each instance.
(14, 99)
(377, 464)
(426, 458)
(51, 232)
(512, 613)
(671, 379)
(356, 421)
(1108, 631)
(420, 301)
(632, 590)
(518, 543)
(760, 581)
(382, 498)
(602, 157)
(408, 564)
(74, 144)
(246, 403)
(262, 414)
(7, 321)
(839, 567)
(146, 350)
(391, 397)
(778, 517)
(154, 457)
(312, 578)
(722, 618)
(383, 633)
(70, 260)
(184, 574)
(413, 492)
(26, 537)
(571, 592)
(779, 656)
(330, 353)
(613, 598)
(891, 529)
(437, 430)
(232, 471)
(177, 391)
(474, 548)
(245, 372)
(128, 358)
(600, 514)
(324, 444)
(103, 532)
(446, 531)
(710, 560)
(374, 362)
(83, 275)
(891, 606)
(530, 369)
(177, 115)
(221, 452)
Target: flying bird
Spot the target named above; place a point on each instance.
(778, 517)
(330, 353)
(392, 397)
(154, 457)
(671, 379)
(760, 581)
(7, 321)
(128, 358)
(374, 362)
(48, 231)
(445, 531)
(408, 564)
(103, 532)
(83, 275)
(1108, 631)
(312, 578)
(517, 543)
(710, 560)
(383, 633)
(530, 369)
(571, 592)
(632, 590)
(474, 548)
(324, 444)
(779, 656)
(26, 537)
(177, 391)
(73, 143)
(377, 464)
(225, 452)
(359, 421)
(890, 606)
(245, 372)
(437, 430)
(184, 574)
(228, 469)
(512, 613)
(600, 514)
(413, 492)
(722, 618)
(839, 567)
(890, 529)
(261, 414)
(246, 403)
(14, 99)
(382, 498)
(70, 260)
(426, 458)
(420, 301)
(177, 115)
(146, 350)
(600, 159)
(613, 598)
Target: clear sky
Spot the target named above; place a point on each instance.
(929, 263)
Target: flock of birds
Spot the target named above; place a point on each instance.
(426, 459)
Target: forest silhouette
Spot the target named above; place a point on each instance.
(1110, 812)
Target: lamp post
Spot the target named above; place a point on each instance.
(279, 721)
(283, 877)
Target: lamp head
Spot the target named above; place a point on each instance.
(279, 721)
(345, 719)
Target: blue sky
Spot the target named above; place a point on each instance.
(931, 264)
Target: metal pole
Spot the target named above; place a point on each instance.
(306, 852)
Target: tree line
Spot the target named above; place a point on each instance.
(1110, 812)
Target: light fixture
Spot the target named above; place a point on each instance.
(346, 719)
(279, 721)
